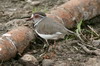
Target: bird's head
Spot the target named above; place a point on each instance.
(37, 16)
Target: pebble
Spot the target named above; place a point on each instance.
(29, 60)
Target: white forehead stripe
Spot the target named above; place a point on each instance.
(32, 16)
(6, 34)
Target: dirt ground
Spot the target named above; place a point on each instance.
(61, 53)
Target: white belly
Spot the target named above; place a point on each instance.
(48, 36)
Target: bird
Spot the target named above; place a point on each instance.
(47, 28)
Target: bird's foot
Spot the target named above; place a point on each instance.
(41, 55)
(46, 47)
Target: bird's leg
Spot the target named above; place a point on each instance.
(54, 45)
(46, 45)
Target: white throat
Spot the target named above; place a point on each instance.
(38, 21)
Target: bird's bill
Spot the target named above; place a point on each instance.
(29, 19)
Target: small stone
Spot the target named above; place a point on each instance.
(69, 59)
(34, 3)
(47, 62)
(29, 60)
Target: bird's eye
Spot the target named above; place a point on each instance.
(36, 15)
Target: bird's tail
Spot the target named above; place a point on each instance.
(71, 32)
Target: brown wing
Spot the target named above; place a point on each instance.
(49, 26)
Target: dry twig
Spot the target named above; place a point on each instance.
(96, 52)
(93, 31)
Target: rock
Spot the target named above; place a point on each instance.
(60, 63)
(29, 60)
(47, 62)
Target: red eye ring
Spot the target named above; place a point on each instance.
(36, 15)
